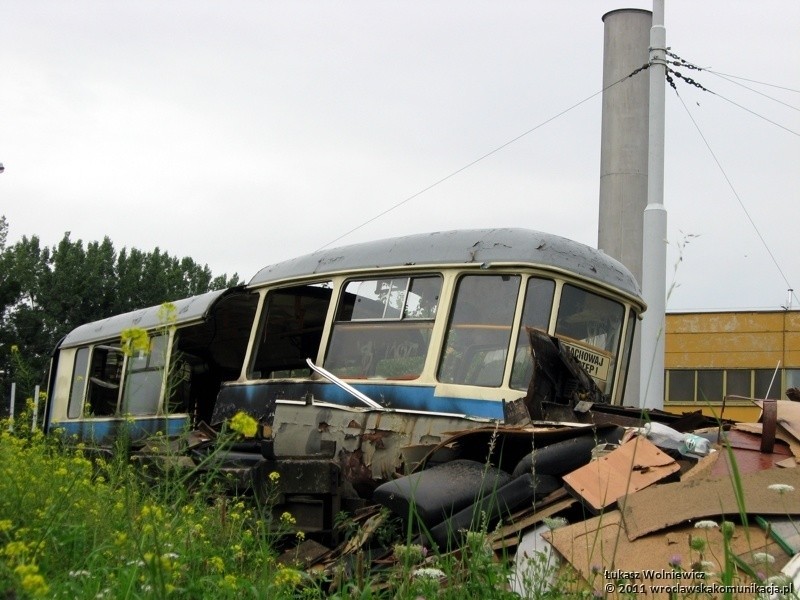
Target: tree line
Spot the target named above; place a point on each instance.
(45, 292)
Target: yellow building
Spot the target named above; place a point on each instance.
(730, 356)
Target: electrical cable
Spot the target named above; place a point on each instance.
(780, 87)
(479, 159)
(767, 96)
(691, 81)
(736, 195)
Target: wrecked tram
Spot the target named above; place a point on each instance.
(358, 361)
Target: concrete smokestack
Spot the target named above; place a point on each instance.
(623, 150)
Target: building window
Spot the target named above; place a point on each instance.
(709, 385)
(713, 385)
(681, 385)
(792, 378)
(767, 384)
(737, 383)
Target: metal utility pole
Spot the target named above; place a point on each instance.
(654, 256)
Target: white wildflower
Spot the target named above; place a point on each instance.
(705, 566)
(80, 573)
(763, 558)
(555, 522)
(781, 488)
(429, 573)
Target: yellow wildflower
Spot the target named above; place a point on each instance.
(288, 519)
(31, 581)
(287, 577)
(15, 549)
(167, 313)
(133, 340)
(244, 424)
(217, 564)
(274, 477)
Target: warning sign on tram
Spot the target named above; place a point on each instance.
(594, 363)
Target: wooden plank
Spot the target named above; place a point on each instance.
(507, 536)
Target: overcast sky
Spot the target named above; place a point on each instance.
(243, 133)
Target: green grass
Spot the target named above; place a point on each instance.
(75, 527)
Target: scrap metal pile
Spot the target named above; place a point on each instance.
(633, 489)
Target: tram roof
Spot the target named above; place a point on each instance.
(186, 310)
(465, 246)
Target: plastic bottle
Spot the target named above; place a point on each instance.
(694, 445)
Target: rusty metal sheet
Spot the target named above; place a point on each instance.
(746, 450)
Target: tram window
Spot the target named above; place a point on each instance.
(105, 378)
(591, 325)
(78, 389)
(143, 381)
(383, 327)
(535, 313)
(587, 317)
(291, 330)
(624, 361)
(476, 344)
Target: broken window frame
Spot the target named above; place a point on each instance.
(387, 337)
(96, 392)
(267, 327)
(596, 349)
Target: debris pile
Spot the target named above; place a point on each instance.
(648, 500)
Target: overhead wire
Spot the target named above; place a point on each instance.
(729, 79)
(680, 62)
(789, 286)
(780, 87)
(482, 157)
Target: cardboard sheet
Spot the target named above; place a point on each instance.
(673, 503)
(633, 466)
(599, 550)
